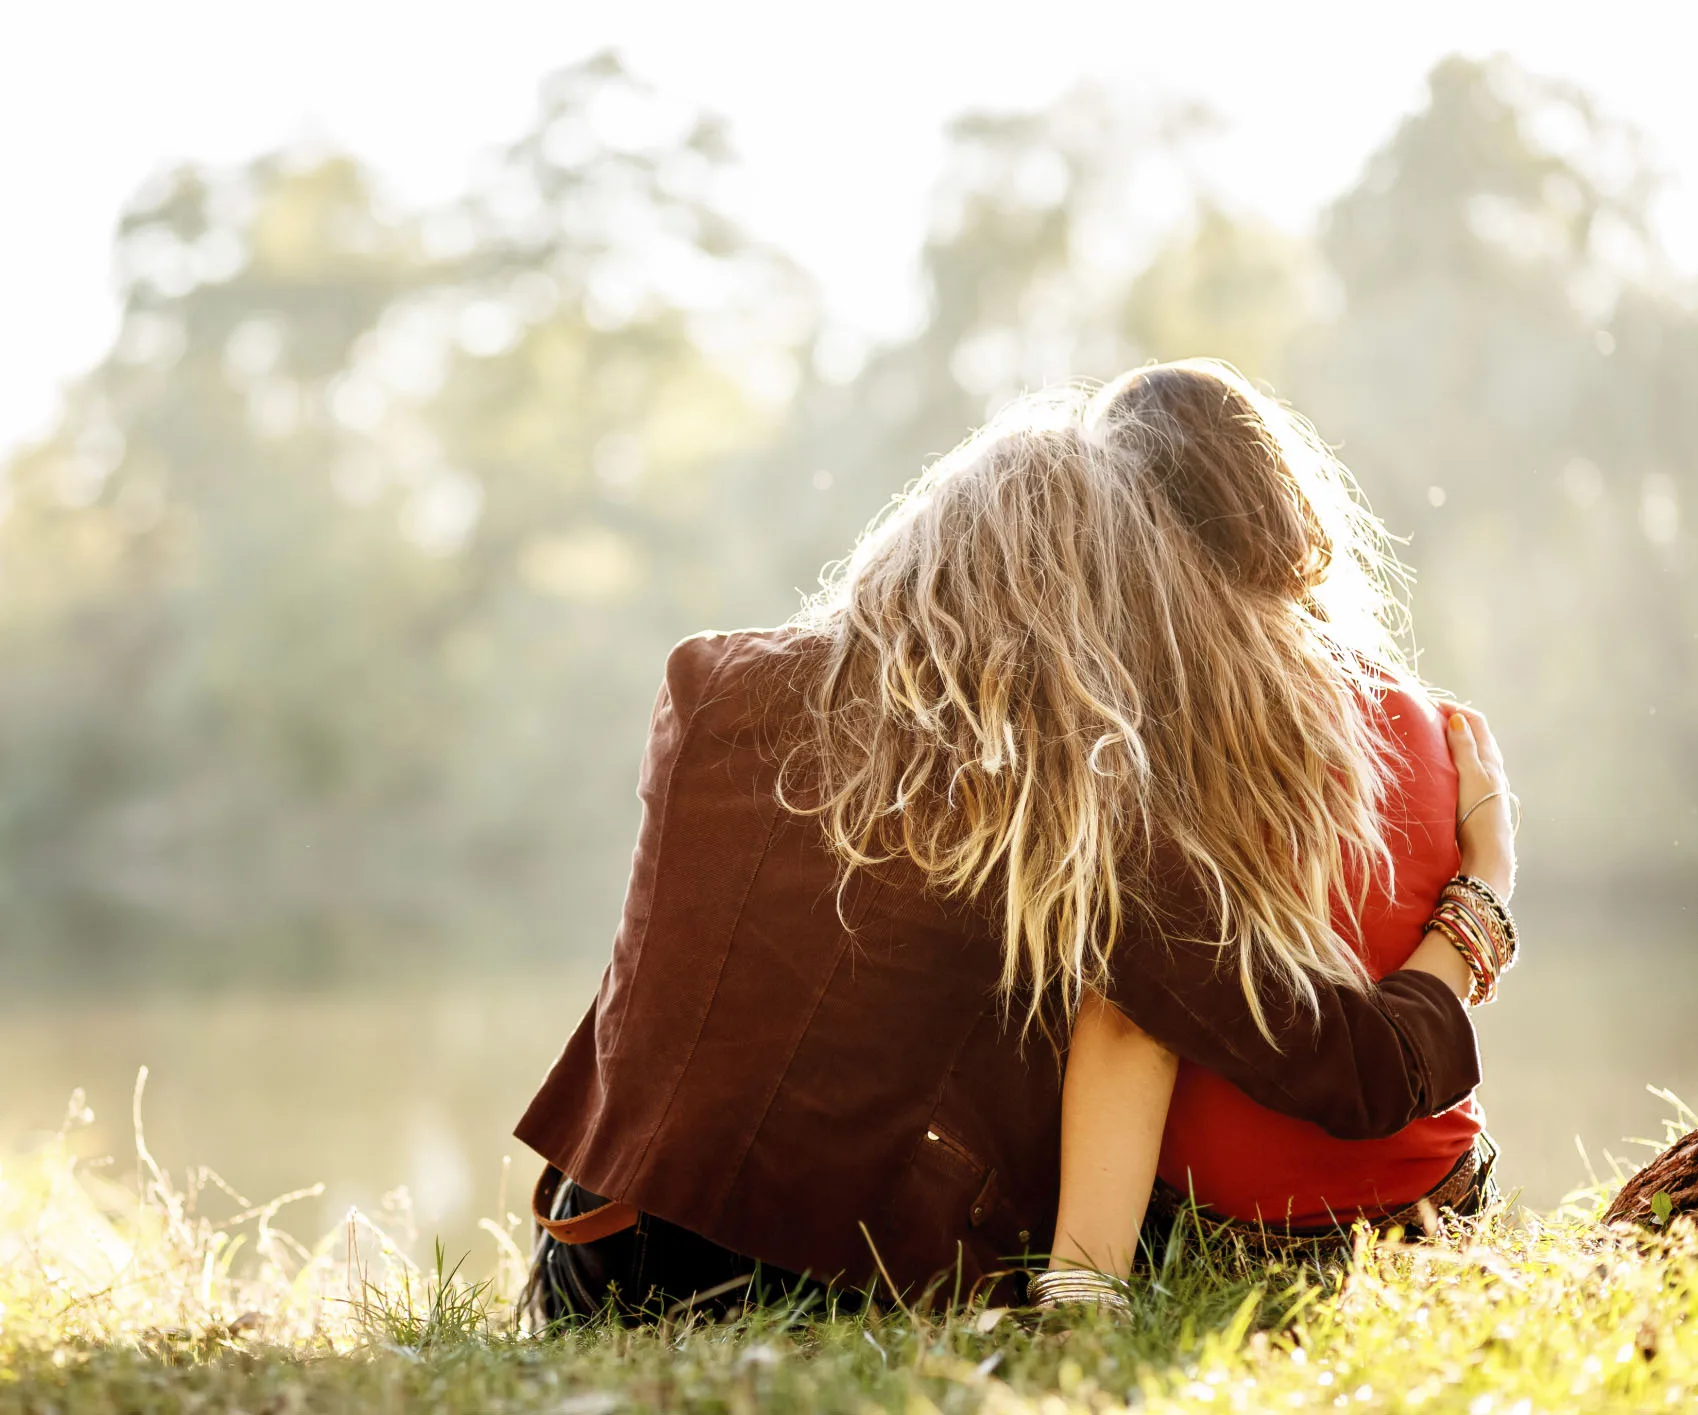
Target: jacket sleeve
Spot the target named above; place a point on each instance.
(1361, 1065)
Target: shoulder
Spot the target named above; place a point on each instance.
(1414, 717)
(1422, 773)
(740, 673)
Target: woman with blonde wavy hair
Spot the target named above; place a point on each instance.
(1094, 767)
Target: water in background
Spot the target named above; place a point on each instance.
(371, 1090)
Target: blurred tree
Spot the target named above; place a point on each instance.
(345, 579)
(1504, 375)
(1227, 288)
(612, 346)
(189, 613)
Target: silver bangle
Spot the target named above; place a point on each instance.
(1489, 796)
(1514, 800)
(1056, 1286)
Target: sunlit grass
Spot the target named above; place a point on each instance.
(127, 1290)
(94, 1255)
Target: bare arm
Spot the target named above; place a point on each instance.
(1113, 1108)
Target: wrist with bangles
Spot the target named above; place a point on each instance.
(1056, 1287)
(1476, 922)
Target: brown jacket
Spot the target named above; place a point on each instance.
(757, 1072)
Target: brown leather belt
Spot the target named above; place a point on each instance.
(1464, 1190)
(612, 1217)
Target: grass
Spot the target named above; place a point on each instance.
(140, 1294)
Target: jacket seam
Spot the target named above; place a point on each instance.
(719, 977)
(660, 835)
(684, 735)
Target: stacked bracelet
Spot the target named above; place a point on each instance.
(1057, 1286)
(1477, 923)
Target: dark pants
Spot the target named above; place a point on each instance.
(649, 1271)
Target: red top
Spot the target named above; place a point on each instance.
(1241, 1159)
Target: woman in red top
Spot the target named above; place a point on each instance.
(1242, 1160)
(1134, 1113)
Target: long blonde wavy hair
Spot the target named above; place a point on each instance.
(1146, 614)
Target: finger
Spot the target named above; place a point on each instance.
(1465, 752)
(1459, 736)
(1484, 738)
(1485, 744)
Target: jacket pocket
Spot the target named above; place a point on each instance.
(942, 1230)
(985, 1197)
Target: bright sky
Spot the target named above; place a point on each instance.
(836, 111)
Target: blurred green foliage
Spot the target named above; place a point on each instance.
(331, 613)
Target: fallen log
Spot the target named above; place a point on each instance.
(1668, 1185)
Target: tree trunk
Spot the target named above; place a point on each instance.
(1673, 1173)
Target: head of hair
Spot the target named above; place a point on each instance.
(1137, 616)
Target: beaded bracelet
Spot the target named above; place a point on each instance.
(1473, 931)
(1478, 925)
(1488, 917)
(1453, 922)
(1055, 1286)
(1500, 911)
